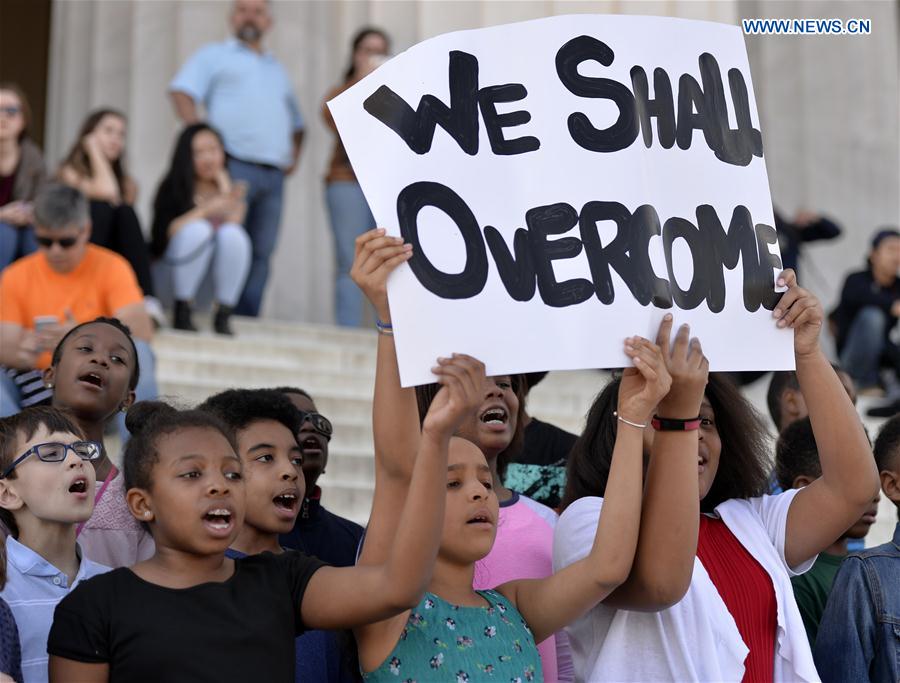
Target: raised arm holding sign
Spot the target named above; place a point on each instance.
(565, 173)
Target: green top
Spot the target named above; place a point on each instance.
(811, 592)
(444, 642)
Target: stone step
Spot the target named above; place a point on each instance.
(268, 331)
(262, 372)
(353, 465)
(324, 357)
(336, 405)
(348, 499)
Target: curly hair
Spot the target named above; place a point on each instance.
(887, 445)
(239, 407)
(797, 454)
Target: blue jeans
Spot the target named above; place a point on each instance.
(15, 242)
(350, 217)
(865, 345)
(265, 187)
(10, 399)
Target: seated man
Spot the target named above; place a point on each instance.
(868, 311)
(67, 281)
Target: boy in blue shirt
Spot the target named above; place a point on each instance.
(265, 424)
(858, 636)
(46, 489)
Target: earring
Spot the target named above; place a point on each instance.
(147, 513)
(123, 409)
(49, 385)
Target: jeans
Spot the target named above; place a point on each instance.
(10, 399)
(198, 249)
(350, 217)
(866, 346)
(15, 242)
(265, 187)
(9, 395)
(859, 635)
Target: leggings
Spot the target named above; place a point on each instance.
(118, 228)
(199, 249)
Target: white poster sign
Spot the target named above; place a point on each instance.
(564, 182)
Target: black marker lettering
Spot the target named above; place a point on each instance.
(416, 128)
(494, 123)
(662, 106)
(625, 130)
(542, 222)
(517, 269)
(412, 199)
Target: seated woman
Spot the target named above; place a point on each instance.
(21, 174)
(868, 311)
(96, 166)
(198, 229)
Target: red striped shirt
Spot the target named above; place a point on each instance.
(747, 591)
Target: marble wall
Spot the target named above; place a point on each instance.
(829, 105)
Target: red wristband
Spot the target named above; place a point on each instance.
(666, 424)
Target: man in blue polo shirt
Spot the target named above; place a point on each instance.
(248, 97)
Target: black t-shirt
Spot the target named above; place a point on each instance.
(539, 471)
(242, 629)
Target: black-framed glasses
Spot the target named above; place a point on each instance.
(318, 421)
(11, 110)
(56, 452)
(64, 242)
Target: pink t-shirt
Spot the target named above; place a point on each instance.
(523, 549)
(112, 536)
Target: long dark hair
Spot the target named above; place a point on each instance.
(744, 462)
(78, 158)
(175, 195)
(359, 38)
(425, 395)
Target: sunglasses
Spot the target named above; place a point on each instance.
(64, 242)
(11, 111)
(319, 422)
(56, 452)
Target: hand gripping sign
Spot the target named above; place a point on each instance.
(564, 182)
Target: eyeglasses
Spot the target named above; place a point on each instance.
(319, 422)
(64, 242)
(11, 110)
(56, 452)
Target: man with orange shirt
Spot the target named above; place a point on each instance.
(67, 281)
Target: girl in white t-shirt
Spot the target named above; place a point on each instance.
(709, 597)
